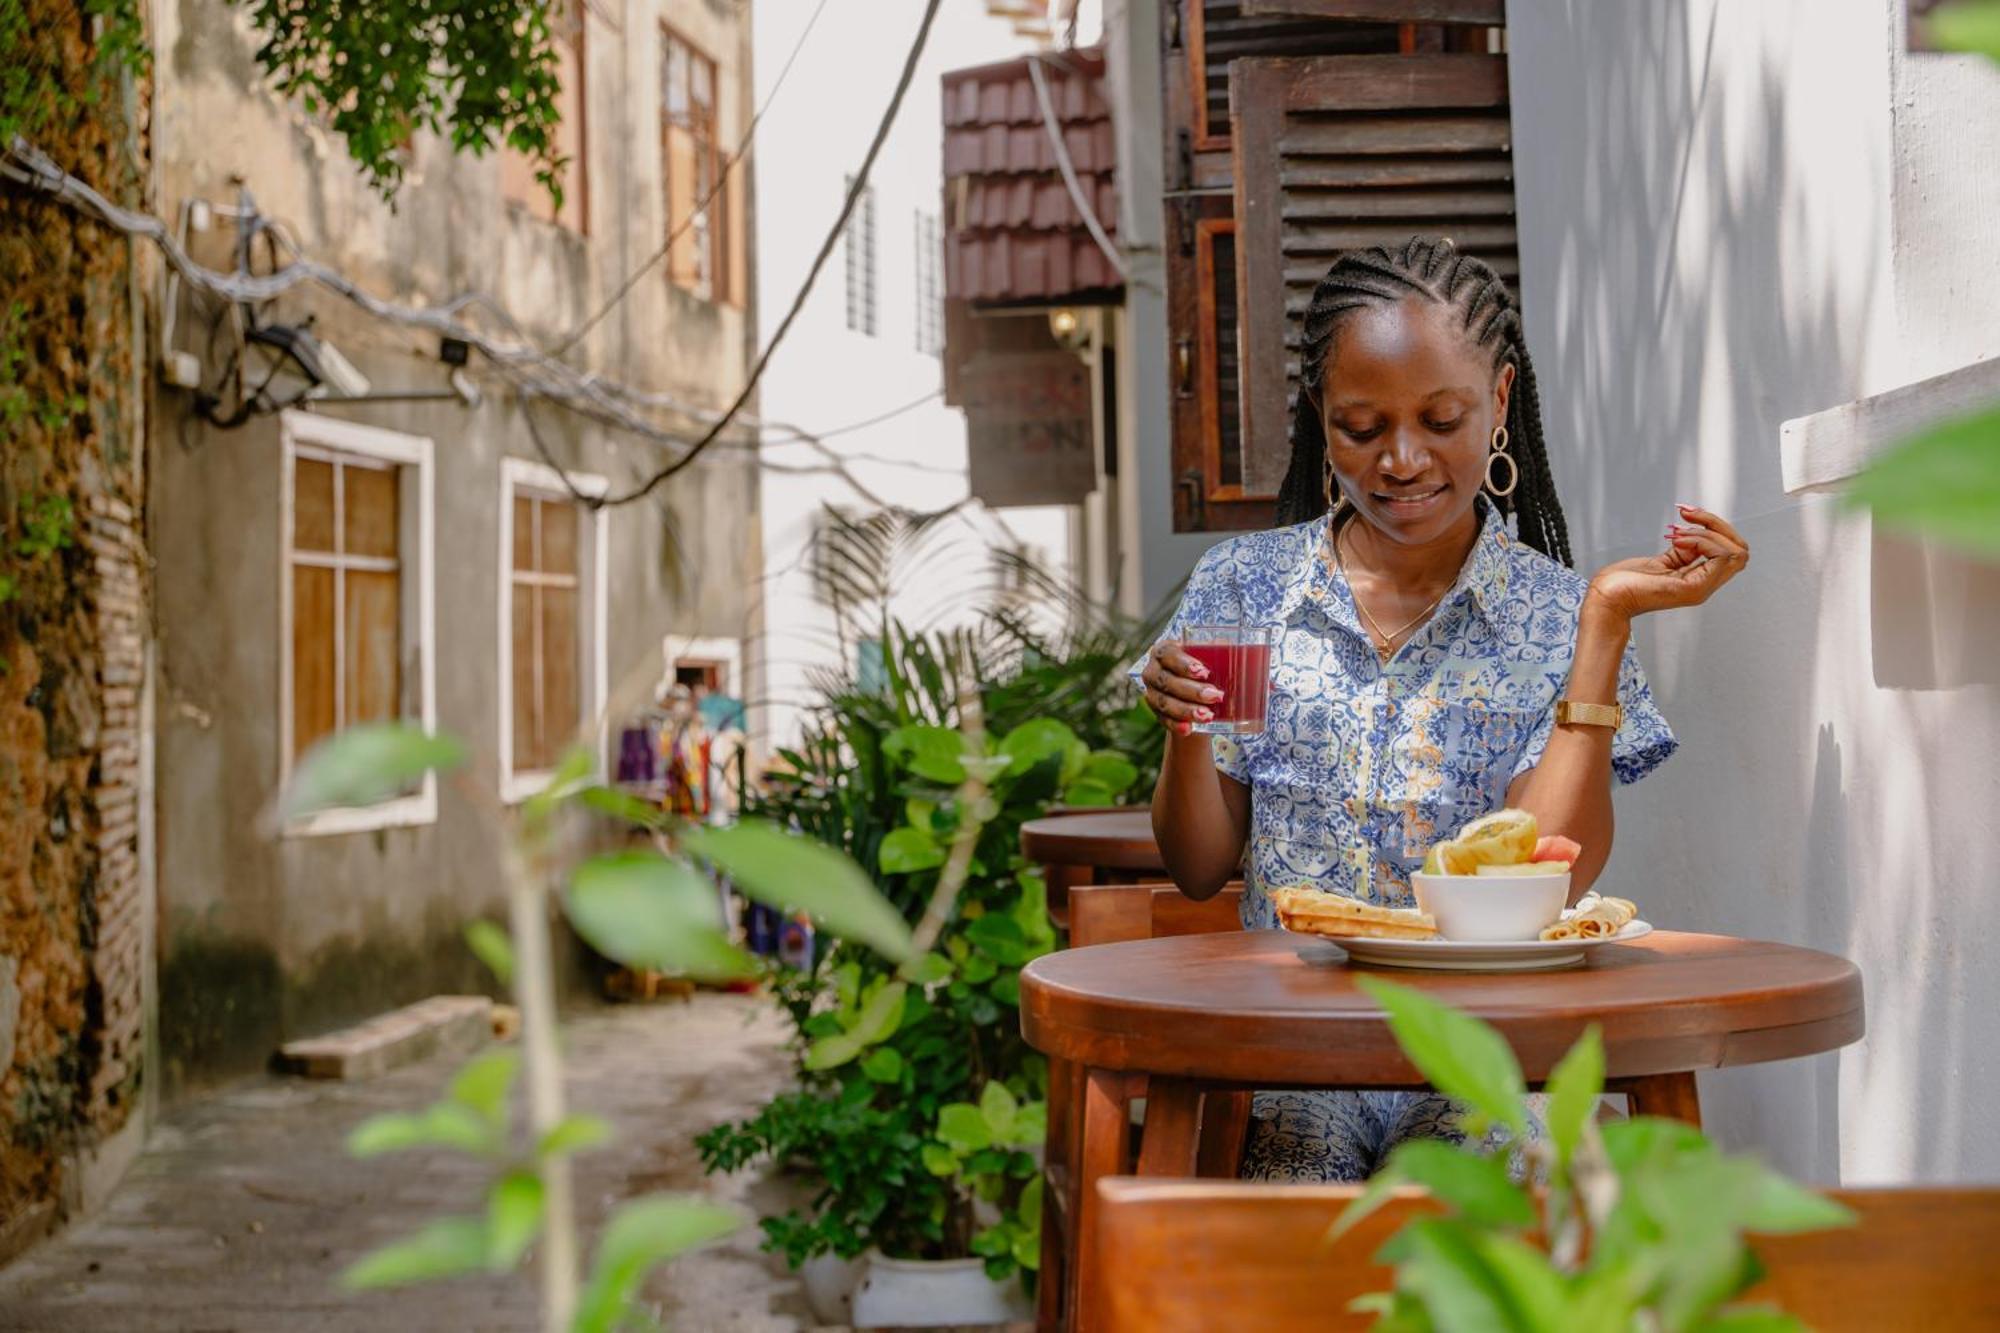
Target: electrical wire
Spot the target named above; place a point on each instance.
(1068, 168)
(700, 209)
(855, 187)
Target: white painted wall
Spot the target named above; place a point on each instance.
(826, 376)
(1731, 215)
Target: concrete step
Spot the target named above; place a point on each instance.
(441, 1024)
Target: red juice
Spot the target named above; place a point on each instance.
(1242, 671)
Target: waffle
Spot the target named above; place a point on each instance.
(1313, 912)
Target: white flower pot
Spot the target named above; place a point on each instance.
(927, 1293)
(830, 1281)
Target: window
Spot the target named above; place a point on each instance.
(861, 262)
(930, 299)
(552, 619)
(701, 218)
(356, 600)
(517, 170)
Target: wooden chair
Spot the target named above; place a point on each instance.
(1200, 1255)
(1110, 914)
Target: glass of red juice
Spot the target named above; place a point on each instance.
(1238, 658)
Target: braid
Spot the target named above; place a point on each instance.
(1435, 270)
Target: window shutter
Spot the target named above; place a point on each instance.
(1341, 152)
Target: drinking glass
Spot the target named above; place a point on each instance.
(1238, 658)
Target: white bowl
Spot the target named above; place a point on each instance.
(1488, 908)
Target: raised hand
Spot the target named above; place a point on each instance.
(1703, 552)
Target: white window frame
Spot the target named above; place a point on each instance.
(302, 433)
(862, 287)
(593, 558)
(679, 648)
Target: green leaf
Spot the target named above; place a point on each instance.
(1110, 770)
(1001, 939)
(644, 910)
(513, 1218)
(986, 768)
(1030, 1208)
(1031, 1124)
(1945, 482)
(1373, 1195)
(1627, 1143)
(1531, 1285)
(1573, 1087)
(1457, 1054)
(446, 1247)
(998, 1107)
(1027, 1250)
(883, 1065)
(799, 875)
(640, 1235)
(939, 1160)
(574, 1133)
(574, 767)
(623, 805)
(1087, 794)
(908, 851)
(364, 765)
(928, 970)
(445, 1125)
(1475, 1185)
(935, 753)
(882, 1013)
(1966, 26)
(832, 1052)
(1447, 1272)
(492, 946)
(918, 813)
(963, 1128)
(1780, 1206)
(1034, 741)
(482, 1085)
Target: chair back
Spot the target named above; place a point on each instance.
(1197, 1255)
(1111, 913)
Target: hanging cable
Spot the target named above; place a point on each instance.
(1068, 168)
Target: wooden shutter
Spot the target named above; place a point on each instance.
(1343, 152)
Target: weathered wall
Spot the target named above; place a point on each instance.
(1732, 215)
(266, 939)
(73, 911)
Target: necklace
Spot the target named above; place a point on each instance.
(1387, 639)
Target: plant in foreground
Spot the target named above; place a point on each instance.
(651, 907)
(1633, 1225)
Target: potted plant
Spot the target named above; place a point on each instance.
(919, 1108)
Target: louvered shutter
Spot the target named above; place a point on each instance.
(1341, 152)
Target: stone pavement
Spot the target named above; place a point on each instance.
(244, 1207)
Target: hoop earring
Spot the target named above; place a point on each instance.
(1335, 497)
(1500, 455)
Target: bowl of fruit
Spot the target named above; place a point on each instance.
(1499, 879)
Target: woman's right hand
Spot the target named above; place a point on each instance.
(1177, 688)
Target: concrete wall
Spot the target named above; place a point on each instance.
(1731, 215)
(269, 939)
(825, 375)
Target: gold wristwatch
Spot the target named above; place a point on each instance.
(1589, 715)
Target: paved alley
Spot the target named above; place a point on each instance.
(244, 1207)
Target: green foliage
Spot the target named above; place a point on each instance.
(480, 72)
(1967, 25)
(1943, 483)
(883, 775)
(987, 1150)
(363, 765)
(647, 910)
(492, 946)
(444, 1248)
(37, 91)
(799, 876)
(46, 526)
(1643, 1222)
(640, 1236)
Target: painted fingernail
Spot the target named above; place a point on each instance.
(1685, 509)
(1212, 695)
(1182, 728)
(1203, 715)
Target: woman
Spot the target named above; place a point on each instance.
(1432, 667)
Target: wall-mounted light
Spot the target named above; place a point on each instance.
(1068, 327)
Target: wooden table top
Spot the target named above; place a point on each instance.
(1113, 839)
(1268, 1008)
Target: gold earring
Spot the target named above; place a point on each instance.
(1334, 499)
(1500, 455)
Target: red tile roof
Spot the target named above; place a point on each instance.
(1014, 234)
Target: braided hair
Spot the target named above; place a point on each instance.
(1434, 270)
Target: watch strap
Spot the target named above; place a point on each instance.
(1590, 715)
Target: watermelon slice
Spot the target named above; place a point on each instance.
(1555, 847)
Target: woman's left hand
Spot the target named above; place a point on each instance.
(1703, 553)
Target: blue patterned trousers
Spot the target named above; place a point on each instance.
(1343, 1137)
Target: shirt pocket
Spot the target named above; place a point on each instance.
(1456, 767)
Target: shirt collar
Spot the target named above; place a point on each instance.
(1483, 578)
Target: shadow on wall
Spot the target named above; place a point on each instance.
(1680, 310)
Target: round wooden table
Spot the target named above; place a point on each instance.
(1091, 847)
(1197, 1021)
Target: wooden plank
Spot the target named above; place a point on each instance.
(1332, 236)
(1374, 172)
(1256, 99)
(1437, 81)
(1301, 204)
(1491, 13)
(1305, 135)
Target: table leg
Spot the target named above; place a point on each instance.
(1059, 880)
(1173, 1128)
(1103, 1146)
(1225, 1124)
(1058, 1204)
(1672, 1096)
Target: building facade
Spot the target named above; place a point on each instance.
(425, 550)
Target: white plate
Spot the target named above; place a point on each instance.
(1471, 956)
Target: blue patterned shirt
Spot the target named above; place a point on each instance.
(1362, 764)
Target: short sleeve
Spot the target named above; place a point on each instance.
(1210, 596)
(1644, 740)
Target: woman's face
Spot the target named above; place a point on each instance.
(1409, 404)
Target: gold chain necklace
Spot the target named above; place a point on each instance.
(1386, 638)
